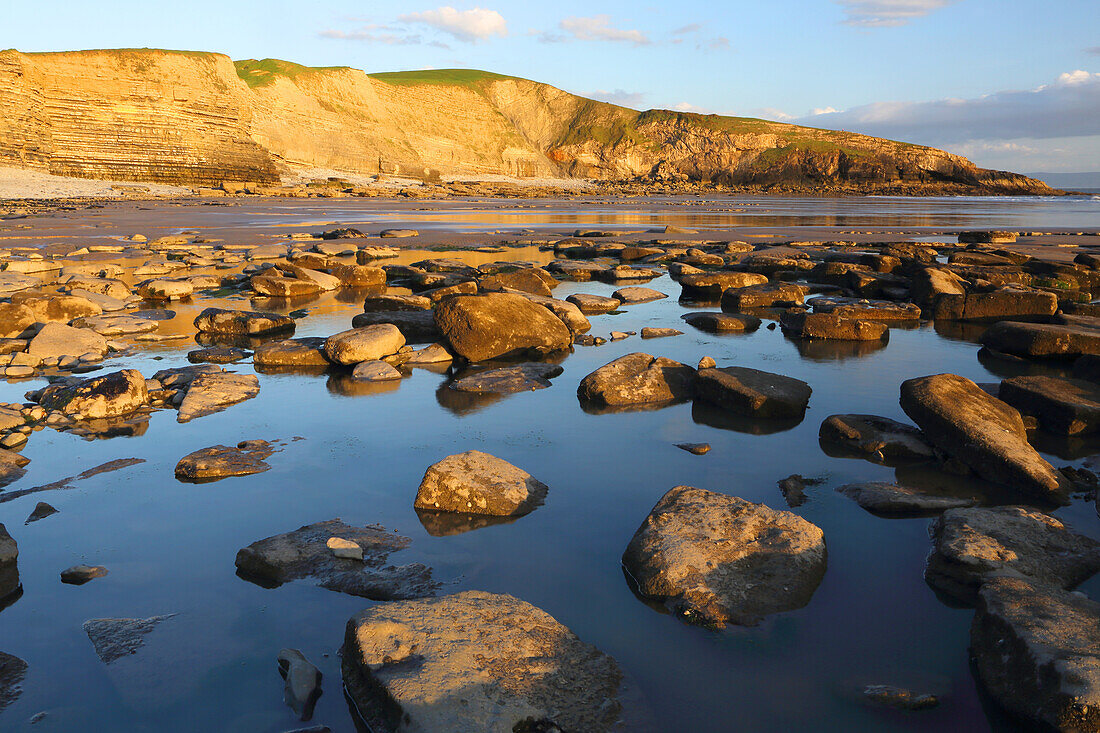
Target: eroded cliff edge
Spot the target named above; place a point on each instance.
(201, 119)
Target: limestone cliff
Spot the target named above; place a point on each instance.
(200, 118)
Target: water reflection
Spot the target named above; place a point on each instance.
(706, 413)
(826, 350)
(445, 524)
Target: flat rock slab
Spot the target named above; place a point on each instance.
(119, 325)
(637, 379)
(217, 355)
(1042, 340)
(971, 545)
(648, 332)
(478, 483)
(722, 322)
(375, 371)
(1006, 304)
(1037, 652)
(476, 661)
(753, 393)
(834, 327)
(219, 461)
(115, 638)
(12, 671)
(865, 310)
(593, 304)
(714, 559)
(633, 295)
(252, 323)
(210, 393)
(304, 553)
(762, 296)
(507, 380)
(57, 339)
(1062, 406)
(875, 438)
(888, 499)
(983, 432)
(417, 326)
(299, 352)
(709, 286)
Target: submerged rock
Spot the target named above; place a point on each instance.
(219, 461)
(115, 638)
(878, 439)
(714, 559)
(476, 661)
(304, 553)
(213, 392)
(81, 574)
(41, 511)
(986, 434)
(480, 327)
(1036, 650)
(12, 671)
(303, 682)
(478, 483)
(753, 393)
(879, 497)
(637, 379)
(900, 698)
(971, 545)
(507, 380)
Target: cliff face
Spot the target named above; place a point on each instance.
(199, 118)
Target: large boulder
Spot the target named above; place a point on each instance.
(829, 326)
(981, 431)
(478, 483)
(307, 552)
(1036, 649)
(476, 661)
(715, 559)
(368, 343)
(111, 395)
(637, 379)
(480, 327)
(1062, 406)
(1042, 340)
(57, 339)
(762, 296)
(753, 393)
(251, 323)
(971, 545)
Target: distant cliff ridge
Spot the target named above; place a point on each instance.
(200, 118)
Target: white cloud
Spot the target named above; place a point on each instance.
(769, 113)
(595, 28)
(719, 43)
(620, 97)
(466, 25)
(888, 13)
(689, 28)
(688, 107)
(1095, 51)
(823, 111)
(1064, 108)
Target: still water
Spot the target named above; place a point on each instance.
(170, 546)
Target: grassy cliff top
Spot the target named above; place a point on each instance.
(451, 77)
(261, 72)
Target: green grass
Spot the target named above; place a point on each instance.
(258, 73)
(452, 77)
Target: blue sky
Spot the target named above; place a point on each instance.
(1011, 84)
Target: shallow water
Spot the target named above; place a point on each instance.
(170, 546)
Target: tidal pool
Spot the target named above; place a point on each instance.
(359, 454)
